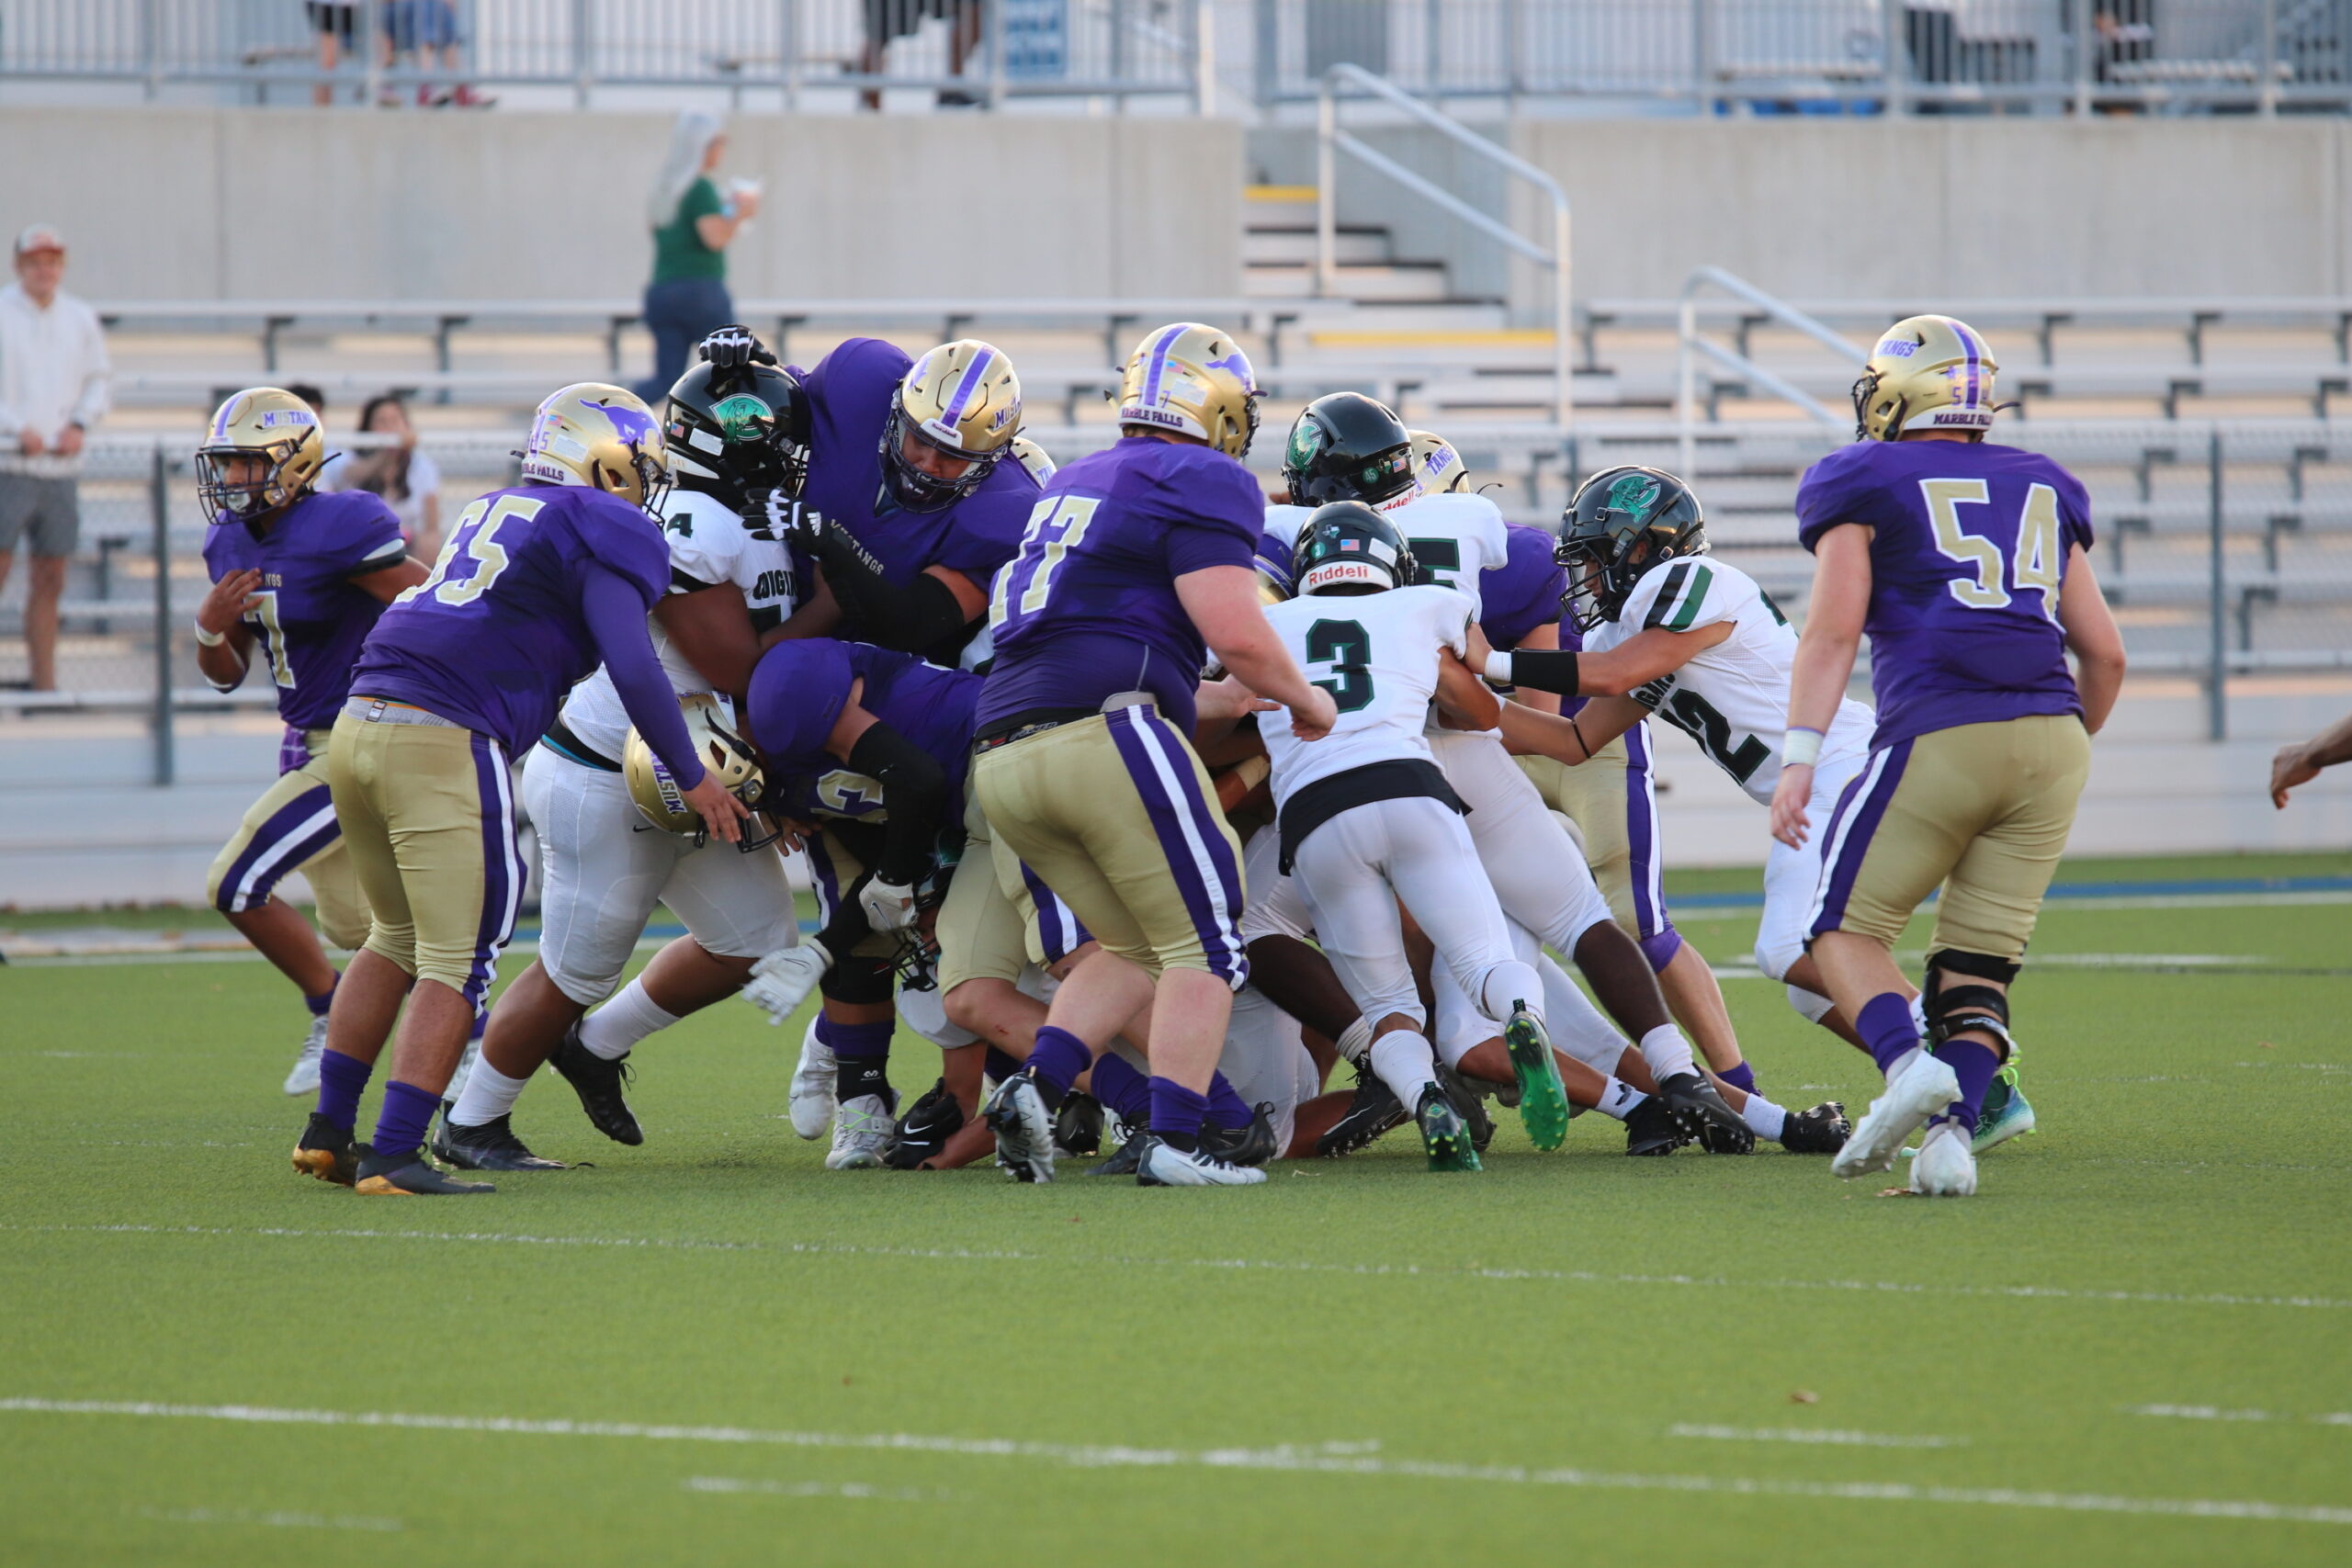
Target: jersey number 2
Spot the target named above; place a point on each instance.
(1345, 647)
(2038, 553)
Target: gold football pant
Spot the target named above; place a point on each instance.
(292, 827)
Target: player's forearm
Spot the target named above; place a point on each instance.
(1817, 678)
(2330, 746)
(1462, 696)
(914, 798)
(223, 665)
(1536, 734)
(1259, 661)
(907, 617)
(615, 617)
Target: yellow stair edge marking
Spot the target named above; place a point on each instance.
(1278, 193)
(1499, 338)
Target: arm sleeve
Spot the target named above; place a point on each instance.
(616, 615)
(914, 792)
(908, 615)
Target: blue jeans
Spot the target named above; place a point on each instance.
(680, 313)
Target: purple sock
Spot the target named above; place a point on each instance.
(399, 1125)
(999, 1066)
(1973, 1063)
(864, 1051)
(342, 1081)
(1227, 1108)
(324, 1000)
(1059, 1057)
(1741, 1078)
(1176, 1114)
(1124, 1091)
(1886, 1027)
(1661, 948)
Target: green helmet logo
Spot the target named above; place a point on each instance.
(1632, 493)
(740, 416)
(1306, 441)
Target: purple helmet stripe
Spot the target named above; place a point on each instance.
(1972, 348)
(1156, 361)
(974, 373)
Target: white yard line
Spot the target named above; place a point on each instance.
(1403, 1270)
(1813, 1435)
(2216, 1413)
(1286, 1458)
(857, 1489)
(280, 1518)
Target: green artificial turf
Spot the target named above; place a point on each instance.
(1569, 1357)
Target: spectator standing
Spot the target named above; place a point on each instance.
(53, 388)
(693, 223)
(336, 24)
(408, 481)
(427, 29)
(889, 20)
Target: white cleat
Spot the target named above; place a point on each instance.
(1946, 1165)
(1024, 1130)
(1920, 1087)
(1164, 1167)
(813, 1081)
(303, 1077)
(862, 1134)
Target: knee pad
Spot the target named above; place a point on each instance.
(1954, 1009)
(859, 980)
(1811, 1005)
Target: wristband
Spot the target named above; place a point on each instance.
(1498, 668)
(1802, 748)
(209, 639)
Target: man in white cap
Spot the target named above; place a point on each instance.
(53, 388)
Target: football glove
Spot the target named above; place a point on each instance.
(731, 345)
(781, 981)
(779, 517)
(889, 906)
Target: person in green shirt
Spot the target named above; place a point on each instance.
(693, 220)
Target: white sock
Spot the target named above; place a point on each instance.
(1919, 1014)
(620, 1023)
(1764, 1118)
(1405, 1064)
(1511, 982)
(1618, 1099)
(1811, 1005)
(1667, 1052)
(489, 1095)
(1355, 1039)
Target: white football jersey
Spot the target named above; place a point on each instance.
(709, 546)
(1455, 538)
(1732, 699)
(1377, 655)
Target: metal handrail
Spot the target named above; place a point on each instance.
(1689, 341)
(1329, 140)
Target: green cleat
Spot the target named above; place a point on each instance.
(1443, 1132)
(1543, 1103)
(2005, 1113)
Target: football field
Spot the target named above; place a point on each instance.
(2134, 1345)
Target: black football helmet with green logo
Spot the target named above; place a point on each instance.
(1346, 446)
(739, 430)
(1622, 523)
(1347, 548)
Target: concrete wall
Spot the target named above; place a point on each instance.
(170, 204)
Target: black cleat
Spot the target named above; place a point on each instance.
(1374, 1111)
(326, 1151)
(1702, 1115)
(1820, 1131)
(599, 1084)
(408, 1175)
(1253, 1144)
(924, 1130)
(1078, 1125)
(1651, 1129)
(1469, 1101)
(1128, 1160)
(1444, 1137)
(492, 1146)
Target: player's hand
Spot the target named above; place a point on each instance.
(1219, 700)
(780, 517)
(889, 906)
(230, 599)
(720, 812)
(1789, 797)
(1312, 720)
(1479, 648)
(2292, 767)
(732, 346)
(781, 981)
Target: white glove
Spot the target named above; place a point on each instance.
(888, 906)
(781, 981)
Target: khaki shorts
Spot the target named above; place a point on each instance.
(1610, 801)
(292, 827)
(1983, 809)
(428, 816)
(1116, 814)
(985, 935)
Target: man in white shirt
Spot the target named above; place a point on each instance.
(53, 388)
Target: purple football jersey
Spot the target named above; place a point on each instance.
(496, 635)
(1970, 546)
(1525, 592)
(311, 621)
(850, 394)
(1089, 607)
(798, 690)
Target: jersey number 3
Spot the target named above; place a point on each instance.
(1347, 648)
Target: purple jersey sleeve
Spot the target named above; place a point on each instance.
(1839, 488)
(364, 536)
(1215, 517)
(798, 693)
(1525, 592)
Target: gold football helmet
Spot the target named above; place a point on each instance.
(1927, 373)
(961, 400)
(1437, 465)
(1193, 380)
(262, 451)
(1032, 457)
(602, 436)
(726, 754)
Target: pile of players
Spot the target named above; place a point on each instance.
(1143, 800)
